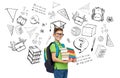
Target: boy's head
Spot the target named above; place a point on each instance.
(58, 33)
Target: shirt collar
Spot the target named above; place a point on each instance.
(57, 42)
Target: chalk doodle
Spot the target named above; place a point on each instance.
(30, 30)
(34, 19)
(34, 41)
(84, 59)
(89, 30)
(78, 19)
(80, 44)
(21, 20)
(85, 28)
(58, 23)
(63, 13)
(41, 30)
(68, 40)
(104, 29)
(24, 11)
(12, 13)
(19, 46)
(34, 54)
(44, 24)
(93, 44)
(85, 8)
(55, 4)
(10, 28)
(98, 14)
(100, 38)
(75, 31)
(51, 14)
(19, 30)
(109, 19)
(39, 9)
(100, 51)
(109, 42)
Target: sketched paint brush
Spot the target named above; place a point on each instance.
(93, 44)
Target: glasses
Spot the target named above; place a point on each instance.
(60, 34)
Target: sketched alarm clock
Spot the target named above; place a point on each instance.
(80, 44)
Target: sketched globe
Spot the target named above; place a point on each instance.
(75, 31)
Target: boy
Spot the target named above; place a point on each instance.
(60, 66)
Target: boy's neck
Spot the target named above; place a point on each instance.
(57, 41)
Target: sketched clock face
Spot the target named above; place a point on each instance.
(80, 44)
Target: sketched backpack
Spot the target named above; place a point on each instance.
(49, 64)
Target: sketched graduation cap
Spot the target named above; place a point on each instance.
(58, 23)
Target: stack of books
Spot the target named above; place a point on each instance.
(65, 54)
(68, 54)
(72, 55)
(34, 54)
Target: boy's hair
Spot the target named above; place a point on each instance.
(57, 29)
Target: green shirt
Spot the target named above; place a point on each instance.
(58, 65)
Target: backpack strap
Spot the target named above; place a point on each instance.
(57, 49)
(63, 45)
(45, 54)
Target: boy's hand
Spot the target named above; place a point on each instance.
(74, 60)
(65, 61)
(70, 60)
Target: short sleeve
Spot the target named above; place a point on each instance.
(52, 48)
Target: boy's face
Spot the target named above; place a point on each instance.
(58, 35)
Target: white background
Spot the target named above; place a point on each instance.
(15, 64)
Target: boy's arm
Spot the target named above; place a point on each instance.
(53, 51)
(56, 59)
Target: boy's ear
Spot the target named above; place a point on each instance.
(53, 35)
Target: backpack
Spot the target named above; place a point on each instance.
(49, 64)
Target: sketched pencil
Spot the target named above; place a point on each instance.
(93, 44)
